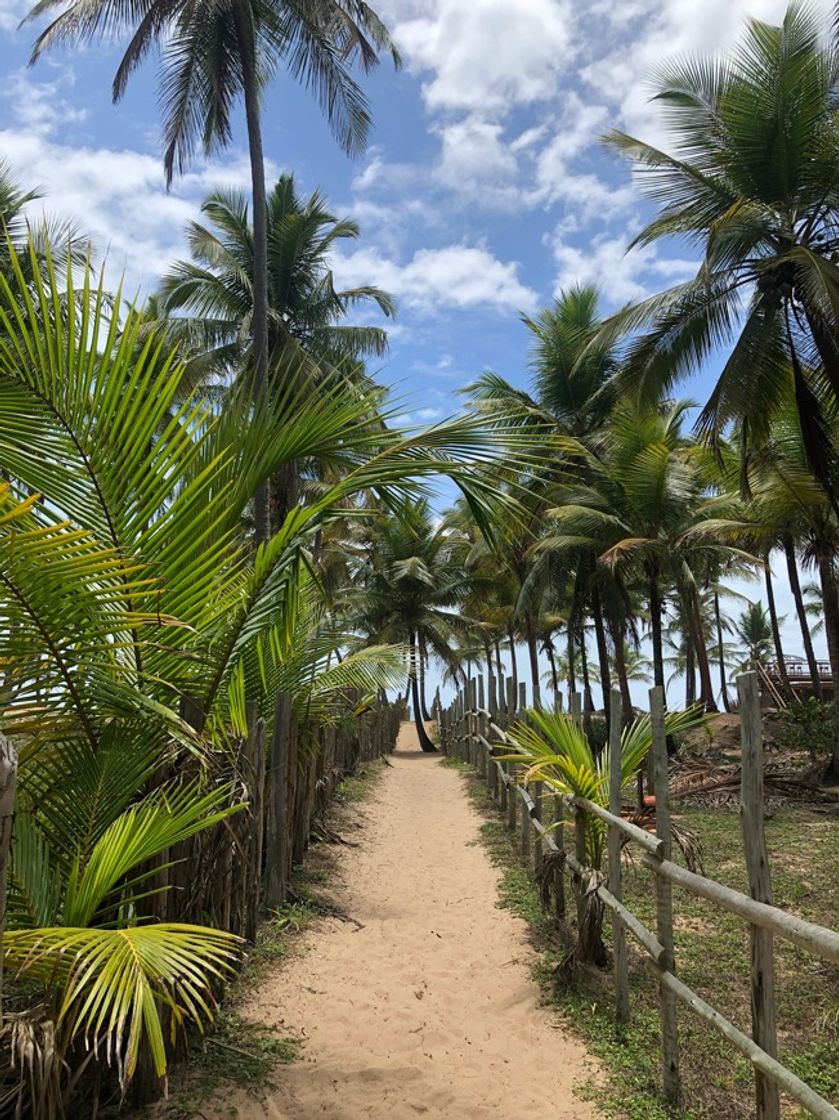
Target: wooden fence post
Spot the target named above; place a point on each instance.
(615, 871)
(538, 791)
(512, 798)
(576, 701)
(559, 840)
(761, 941)
(502, 695)
(664, 903)
(277, 822)
(526, 826)
(492, 696)
(522, 697)
(511, 700)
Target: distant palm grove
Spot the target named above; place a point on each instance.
(220, 552)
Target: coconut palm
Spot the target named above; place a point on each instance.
(750, 181)
(641, 508)
(409, 585)
(215, 287)
(213, 55)
(551, 748)
(754, 631)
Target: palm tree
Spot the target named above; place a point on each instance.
(409, 584)
(215, 287)
(304, 308)
(642, 509)
(754, 631)
(573, 394)
(751, 181)
(213, 54)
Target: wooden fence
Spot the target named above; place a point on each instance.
(227, 875)
(475, 732)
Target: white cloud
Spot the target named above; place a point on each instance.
(117, 196)
(456, 276)
(12, 12)
(658, 31)
(621, 276)
(487, 55)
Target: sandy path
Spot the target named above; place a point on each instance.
(429, 1009)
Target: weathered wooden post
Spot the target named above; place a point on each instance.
(576, 701)
(761, 941)
(511, 700)
(481, 702)
(492, 696)
(522, 707)
(615, 872)
(664, 903)
(8, 790)
(512, 798)
(526, 826)
(558, 702)
(559, 840)
(277, 825)
(502, 696)
(538, 791)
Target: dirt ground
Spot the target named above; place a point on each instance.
(427, 1007)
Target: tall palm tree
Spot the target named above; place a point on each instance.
(643, 507)
(215, 287)
(751, 181)
(305, 311)
(754, 631)
(212, 55)
(408, 585)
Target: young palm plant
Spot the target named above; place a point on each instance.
(551, 748)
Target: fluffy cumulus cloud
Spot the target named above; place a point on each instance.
(621, 276)
(660, 30)
(115, 195)
(487, 54)
(454, 276)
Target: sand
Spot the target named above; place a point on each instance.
(428, 1009)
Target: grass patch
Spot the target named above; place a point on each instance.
(712, 957)
(238, 1053)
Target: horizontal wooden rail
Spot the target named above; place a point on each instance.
(797, 1089)
(633, 831)
(815, 939)
(464, 722)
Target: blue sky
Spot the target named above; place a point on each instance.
(483, 193)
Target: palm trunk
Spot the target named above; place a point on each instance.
(706, 687)
(8, 782)
(620, 668)
(533, 651)
(690, 673)
(655, 627)
(588, 700)
(776, 631)
(801, 611)
(421, 666)
(830, 596)
(250, 85)
(602, 651)
(549, 650)
(726, 702)
(572, 677)
(514, 669)
(422, 735)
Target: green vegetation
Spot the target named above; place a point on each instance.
(219, 551)
(803, 849)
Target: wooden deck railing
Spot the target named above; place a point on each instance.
(476, 734)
